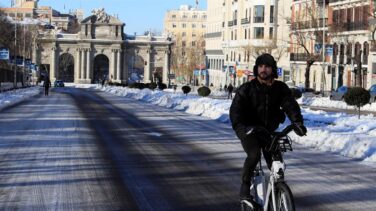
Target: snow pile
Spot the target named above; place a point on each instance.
(14, 96)
(326, 102)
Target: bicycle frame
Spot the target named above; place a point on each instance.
(275, 176)
(280, 143)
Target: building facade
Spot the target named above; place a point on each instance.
(337, 39)
(215, 57)
(247, 29)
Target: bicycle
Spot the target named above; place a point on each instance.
(278, 194)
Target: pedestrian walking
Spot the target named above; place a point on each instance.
(230, 88)
(47, 85)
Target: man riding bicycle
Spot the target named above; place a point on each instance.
(258, 108)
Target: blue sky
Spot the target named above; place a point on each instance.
(138, 15)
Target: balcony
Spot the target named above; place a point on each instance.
(298, 57)
(245, 21)
(258, 19)
(354, 26)
(233, 23)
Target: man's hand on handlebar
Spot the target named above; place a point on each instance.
(300, 129)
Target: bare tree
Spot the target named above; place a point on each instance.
(185, 57)
(307, 29)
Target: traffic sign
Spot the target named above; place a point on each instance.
(4, 54)
(279, 71)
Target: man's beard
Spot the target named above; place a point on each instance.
(265, 76)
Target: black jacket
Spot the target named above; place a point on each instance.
(257, 104)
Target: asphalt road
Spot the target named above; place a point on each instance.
(86, 150)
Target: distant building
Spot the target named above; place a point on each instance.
(188, 22)
(187, 26)
(22, 9)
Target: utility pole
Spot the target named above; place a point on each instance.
(15, 53)
(323, 47)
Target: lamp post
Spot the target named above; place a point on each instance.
(15, 53)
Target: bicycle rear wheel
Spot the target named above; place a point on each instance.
(284, 198)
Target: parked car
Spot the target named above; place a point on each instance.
(59, 83)
(339, 93)
(372, 93)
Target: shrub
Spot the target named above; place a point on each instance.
(186, 89)
(137, 85)
(203, 91)
(162, 86)
(152, 86)
(358, 97)
(296, 93)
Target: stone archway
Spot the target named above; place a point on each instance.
(66, 68)
(101, 68)
(136, 65)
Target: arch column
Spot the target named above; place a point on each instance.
(118, 67)
(88, 65)
(111, 71)
(77, 66)
(82, 69)
(147, 71)
(53, 65)
(166, 68)
(125, 68)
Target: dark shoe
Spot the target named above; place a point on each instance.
(245, 192)
(249, 203)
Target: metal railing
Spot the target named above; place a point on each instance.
(258, 19)
(245, 21)
(298, 56)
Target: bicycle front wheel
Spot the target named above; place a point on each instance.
(283, 197)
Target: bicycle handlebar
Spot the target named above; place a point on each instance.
(284, 132)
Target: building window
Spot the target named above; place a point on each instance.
(203, 26)
(183, 34)
(245, 34)
(183, 43)
(194, 16)
(193, 34)
(193, 25)
(235, 34)
(184, 25)
(258, 33)
(173, 16)
(173, 25)
(185, 16)
(193, 43)
(204, 17)
(271, 33)
(259, 14)
(272, 14)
